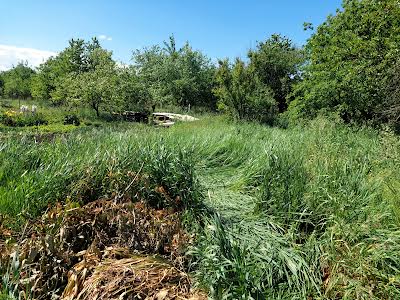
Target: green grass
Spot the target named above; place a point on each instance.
(311, 211)
(54, 115)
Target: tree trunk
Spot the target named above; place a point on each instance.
(96, 108)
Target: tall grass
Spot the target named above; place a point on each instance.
(329, 191)
(311, 211)
(94, 164)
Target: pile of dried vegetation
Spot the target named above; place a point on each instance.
(106, 249)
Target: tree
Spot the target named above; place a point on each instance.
(243, 95)
(130, 93)
(348, 61)
(17, 81)
(276, 63)
(1, 84)
(390, 107)
(73, 60)
(259, 90)
(176, 76)
(93, 88)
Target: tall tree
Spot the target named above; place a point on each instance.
(95, 87)
(75, 59)
(259, 90)
(176, 76)
(348, 61)
(17, 81)
(243, 95)
(130, 93)
(276, 63)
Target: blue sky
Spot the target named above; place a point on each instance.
(34, 30)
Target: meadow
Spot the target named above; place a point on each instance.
(287, 187)
(309, 212)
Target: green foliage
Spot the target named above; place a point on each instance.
(390, 108)
(309, 212)
(17, 81)
(13, 119)
(10, 276)
(311, 198)
(283, 186)
(172, 180)
(259, 90)
(242, 95)
(251, 263)
(72, 120)
(85, 75)
(130, 94)
(93, 164)
(276, 63)
(176, 76)
(349, 59)
(77, 58)
(1, 84)
(95, 87)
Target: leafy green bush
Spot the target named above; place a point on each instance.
(242, 95)
(14, 119)
(72, 120)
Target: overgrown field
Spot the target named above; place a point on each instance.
(311, 212)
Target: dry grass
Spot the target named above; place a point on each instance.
(130, 277)
(71, 246)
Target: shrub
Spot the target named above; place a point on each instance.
(242, 94)
(15, 119)
(72, 120)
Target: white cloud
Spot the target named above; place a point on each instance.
(12, 55)
(105, 37)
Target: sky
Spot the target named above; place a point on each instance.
(36, 29)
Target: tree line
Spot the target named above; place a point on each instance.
(349, 68)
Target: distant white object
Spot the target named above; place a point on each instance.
(177, 117)
(24, 109)
(34, 109)
(169, 119)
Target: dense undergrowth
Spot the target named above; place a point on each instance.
(308, 212)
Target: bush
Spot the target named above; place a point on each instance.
(242, 94)
(72, 120)
(15, 119)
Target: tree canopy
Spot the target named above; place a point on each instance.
(16, 83)
(349, 58)
(176, 76)
(349, 68)
(276, 63)
(93, 86)
(48, 84)
(259, 89)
